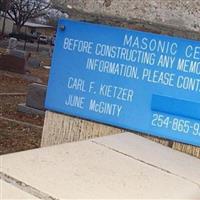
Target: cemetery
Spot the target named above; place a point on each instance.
(18, 78)
(110, 110)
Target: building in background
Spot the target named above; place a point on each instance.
(29, 27)
(9, 25)
(36, 29)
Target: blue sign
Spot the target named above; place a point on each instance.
(130, 79)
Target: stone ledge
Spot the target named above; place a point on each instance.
(120, 166)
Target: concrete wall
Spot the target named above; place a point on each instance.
(183, 14)
(8, 25)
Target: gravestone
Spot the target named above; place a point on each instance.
(12, 44)
(83, 11)
(15, 60)
(34, 100)
(36, 96)
(12, 63)
(34, 63)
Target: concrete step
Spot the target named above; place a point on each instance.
(118, 166)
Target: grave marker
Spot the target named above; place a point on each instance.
(36, 96)
(14, 60)
(12, 44)
(12, 63)
(34, 100)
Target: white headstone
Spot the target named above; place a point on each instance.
(12, 44)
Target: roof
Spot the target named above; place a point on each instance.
(35, 25)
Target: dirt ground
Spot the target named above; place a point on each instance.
(19, 131)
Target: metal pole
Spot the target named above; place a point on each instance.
(25, 38)
(38, 44)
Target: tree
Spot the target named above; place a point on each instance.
(53, 16)
(22, 10)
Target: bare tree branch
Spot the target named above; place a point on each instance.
(22, 10)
